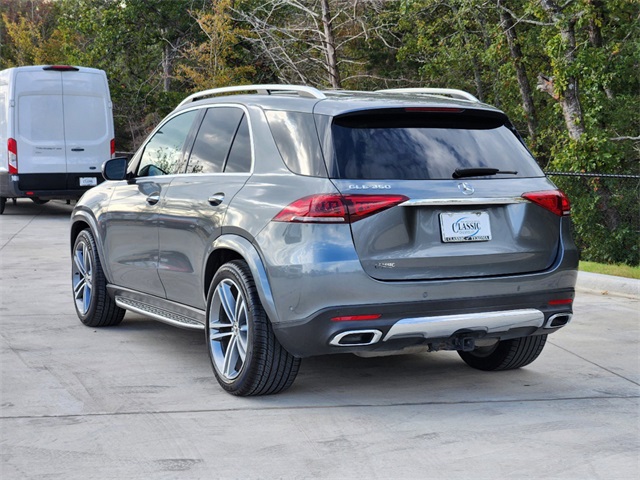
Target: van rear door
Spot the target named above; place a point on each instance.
(88, 129)
(39, 126)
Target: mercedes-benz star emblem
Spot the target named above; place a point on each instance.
(466, 188)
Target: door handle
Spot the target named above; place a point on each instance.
(216, 199)
(153, 198)
(77, 149)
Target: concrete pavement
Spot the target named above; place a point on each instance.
(139, 401)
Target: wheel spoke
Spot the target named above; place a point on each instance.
(227, 300)
(79, 262)
(217, 336)
(230, 357)
(78, 289)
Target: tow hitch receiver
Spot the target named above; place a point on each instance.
(466, 344)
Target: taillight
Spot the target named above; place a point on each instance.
(332, 208)
(12, 147)
(553, 200)
(113, 148)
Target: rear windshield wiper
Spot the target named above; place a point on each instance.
(479, 172)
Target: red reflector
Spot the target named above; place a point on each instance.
(337, 208)
(12, 148)
(356, 318)
(562, 301)
(29, 193)
(553, 200)
(113, 147)
(434, 109)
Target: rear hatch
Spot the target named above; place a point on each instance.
(463, 174)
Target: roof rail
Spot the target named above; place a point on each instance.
(452, 92)
(308, 92)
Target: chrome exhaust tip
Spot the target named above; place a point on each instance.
(356, 338)
(558, 320)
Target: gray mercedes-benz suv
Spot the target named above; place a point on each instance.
(292, 222)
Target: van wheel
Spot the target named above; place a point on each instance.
(3, 202)
(94, 306)
(247, 358)
(38, 201)
(505, 355)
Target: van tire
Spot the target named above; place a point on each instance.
(38, 201)
(94, 306)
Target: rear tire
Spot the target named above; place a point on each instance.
(246, 357)
(505, 355)
(39, 201)
(94, 306)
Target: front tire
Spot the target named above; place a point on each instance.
(505, 355)
(94, 306)
(246, 357)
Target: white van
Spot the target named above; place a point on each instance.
(56, 130)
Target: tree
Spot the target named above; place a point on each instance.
(311, 41)
(218, 59)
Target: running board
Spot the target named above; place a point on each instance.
(190, 320)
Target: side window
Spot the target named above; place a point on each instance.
(163, 152)
(240, 155)
(213, 140)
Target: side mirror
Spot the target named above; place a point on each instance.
(115, 169)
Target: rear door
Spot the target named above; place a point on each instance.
(39, 124)
(448, 228)
(196, 204)
(88, 124)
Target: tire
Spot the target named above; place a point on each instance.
(39, 201)
(246, 357)
(505, 355)
(94, 306)
(3, 202)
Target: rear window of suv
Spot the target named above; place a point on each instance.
(417, 145)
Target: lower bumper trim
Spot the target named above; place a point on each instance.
(444, 326)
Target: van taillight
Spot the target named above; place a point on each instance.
(12, 147)
(113, 147)
(331, 208)
(553, 200)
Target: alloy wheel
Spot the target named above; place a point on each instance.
(228, 329)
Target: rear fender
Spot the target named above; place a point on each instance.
(250, 254)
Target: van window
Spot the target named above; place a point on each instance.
(85, 118)
(163, 151)
(40, 118)
(213, 140)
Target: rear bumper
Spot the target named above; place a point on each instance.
(45, 185)
(437, 325)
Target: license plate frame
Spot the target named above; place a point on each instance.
(88, 181)
(465, 227)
